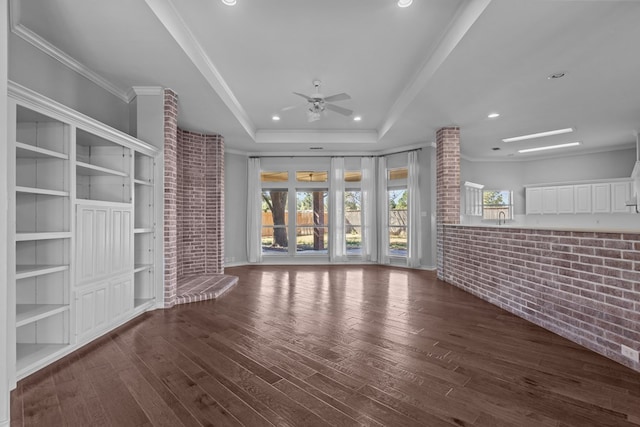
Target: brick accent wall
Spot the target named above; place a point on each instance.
(584, 286)
(170, 197)
(447, 186)
(200, 236)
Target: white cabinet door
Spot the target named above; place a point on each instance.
(533, 199)
(601, 198)
(121, 240)
(565, 199)
(91, 308)
(582, 198)
(92, 246)
(550, 200)
(120, 297)
(620, 193)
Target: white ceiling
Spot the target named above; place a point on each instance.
(409, 71)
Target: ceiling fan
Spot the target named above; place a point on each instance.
(318, 103)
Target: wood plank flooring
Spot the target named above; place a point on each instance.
(338, 345)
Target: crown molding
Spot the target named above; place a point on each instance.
(465, 17)
(54, 109)
(316, 137)
(135, 91)
(40, 43)
(169, 17)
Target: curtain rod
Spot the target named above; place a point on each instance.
(331, 156)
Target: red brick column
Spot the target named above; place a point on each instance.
(170, 197)
(214, 177)
(200, 204)
(447, 188)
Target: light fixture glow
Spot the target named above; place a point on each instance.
(549, 147)
(275, 118)
(493, 115)
(229, 2)
(357, 118)
(538, 135)
(404, 3)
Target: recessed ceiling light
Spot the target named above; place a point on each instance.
(549, 147)
(229, 2)
(357, 118)
(493, 115)
(404, 3)
(556, 76)
(275, 118)
(538, 135)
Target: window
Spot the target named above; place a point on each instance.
(353, 221)
(312, 176)
(275, 217)
(497, 204)
(274, 176)
(398, 221)
(312, 224)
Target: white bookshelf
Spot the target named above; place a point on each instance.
(82, 198)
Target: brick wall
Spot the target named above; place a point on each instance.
(200, 200)
(447, 185)
(170, 197)
(584, 286)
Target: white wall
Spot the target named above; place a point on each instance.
(610, 164)
(38, 71)
(4, 203)
(235, 209)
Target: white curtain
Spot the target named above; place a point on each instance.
(254, 211)
(368, 206)
(337, 242)
(383, 212)
(414, 241)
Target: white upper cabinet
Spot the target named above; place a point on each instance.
(601, 198)
(620, 193)
(566, 199)
(580, 198)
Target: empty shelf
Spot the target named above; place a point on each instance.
(29, 313)
(25, 271)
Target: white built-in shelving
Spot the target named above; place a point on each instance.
(83, 244)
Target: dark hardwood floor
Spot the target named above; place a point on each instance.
(339, 345)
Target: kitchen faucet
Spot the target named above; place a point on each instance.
(502, 215)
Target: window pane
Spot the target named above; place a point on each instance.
(353, 176)
(312, 221)
(311, 176)
(497, 204)
(398, 222)
(274, 176)
(353, 221)
(400, 173)
(275, 217)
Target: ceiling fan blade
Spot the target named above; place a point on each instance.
(304, 96)
(339, 110)
(338, 97)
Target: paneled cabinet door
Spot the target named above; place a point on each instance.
(92, 246)
(601, 198)
(620, 193)
(565, 199)
(120, 297)
(121, 240)
(533, 200)
(582, 196)
(91, 308)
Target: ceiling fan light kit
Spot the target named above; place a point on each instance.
(404, 3)
(229, 2)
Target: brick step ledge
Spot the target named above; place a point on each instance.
(203, 287)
